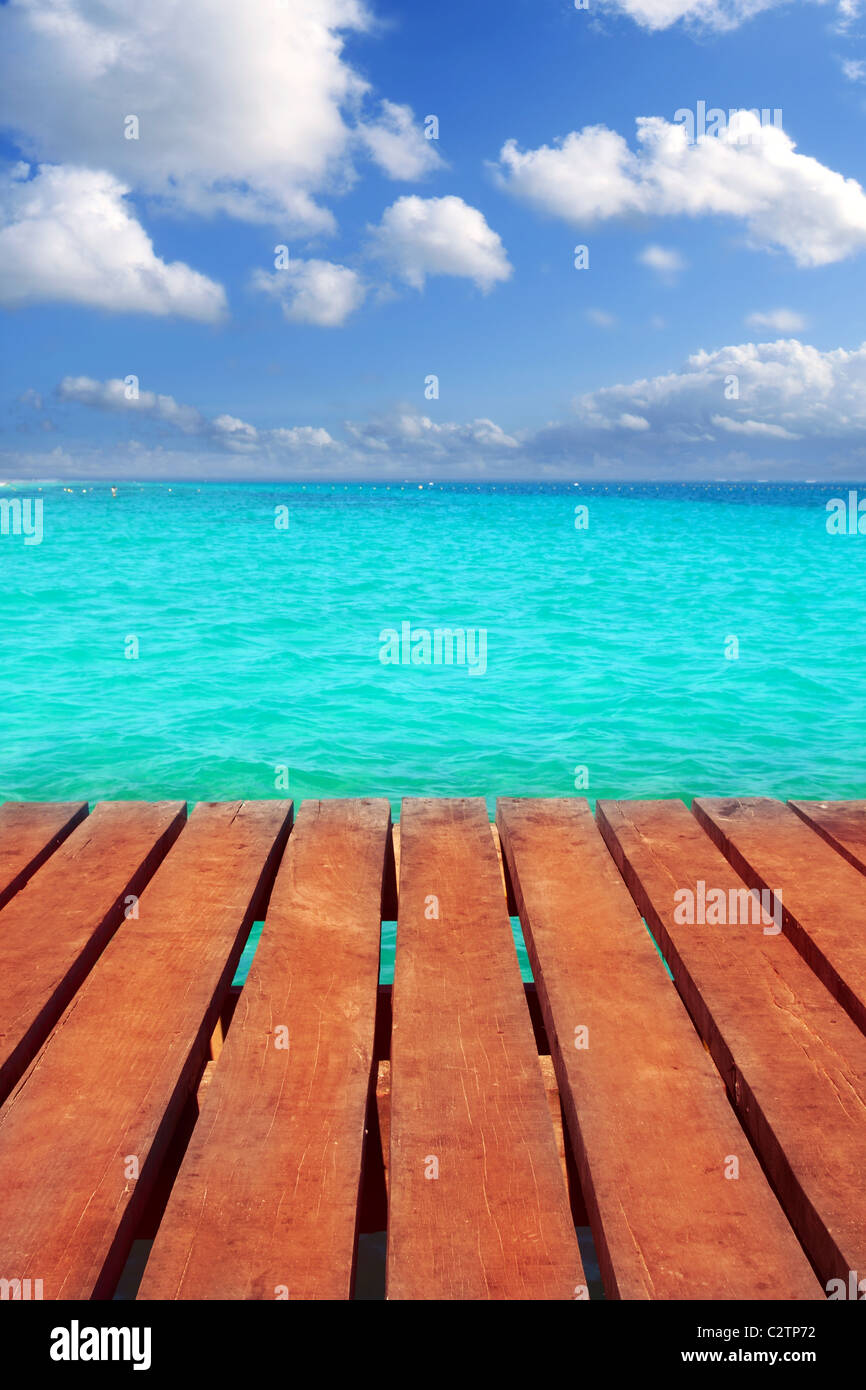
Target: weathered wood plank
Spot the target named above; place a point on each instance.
(82, 1138)
(841, 823)
(668, 1222)
(506, 886)
(30, 832)
(266, 1201)
(54, 929)
(478, 1207)
(822, 897)
(793, 1061)
(548, 1076)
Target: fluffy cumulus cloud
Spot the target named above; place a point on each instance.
(418, 237)
(68, 235)
(313, 291)
(781, 390)
(397, 144)
(751, 173)
(248, 109)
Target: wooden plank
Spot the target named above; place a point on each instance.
(506, 886)
(83, 1136)
(54, 929)
(666, 1220)
(30, 832)
(478, 1207)
(822, 897)
(266, 1201)
(793, 1061)
(841, 823)
(383, 1106)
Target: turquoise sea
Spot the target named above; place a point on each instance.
(258, 647)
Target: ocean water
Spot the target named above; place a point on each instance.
(608, 649)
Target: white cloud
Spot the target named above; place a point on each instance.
(785, 390)
(318, 292)
(848, 11)
(418, 237)
(854, 69)
(398, 145)
(748, 172)
(753, 427)
(663, 260)
(406, 430)
(68, 236)
(115, 395)
(247, 109)
(710, 14)
(228, 431)
(601, 318)
(749, 410)
(778, 321)
(302, 435)
(718, 15)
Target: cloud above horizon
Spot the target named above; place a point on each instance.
(746, 172)
(777, 395)
(231, 433)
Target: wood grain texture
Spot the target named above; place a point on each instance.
(30, 832)
(102, 1099)
(793, 1061)
(823, 897)
(54, 929)
(841, 823)
(468, 1100)
(667, 1222)
(266, 1201)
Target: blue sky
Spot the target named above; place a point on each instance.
(717, 331)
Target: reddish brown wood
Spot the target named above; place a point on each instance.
(266, 1202)
(822, 896)
(104, 1095)
(667, 1222)
(841, 823)
(467, 1096)
(793, 1061)
(53, 930)
(30, 832)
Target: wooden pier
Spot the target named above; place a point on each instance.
(709, 1128)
